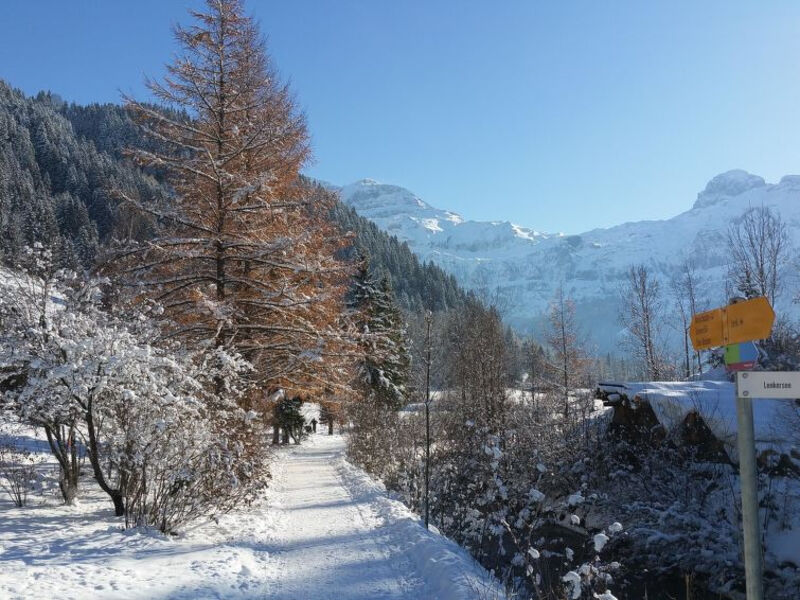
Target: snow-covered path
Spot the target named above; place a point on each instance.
(329, 544)
(324, 531)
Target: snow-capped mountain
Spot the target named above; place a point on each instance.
(432, 231)
(520, 268)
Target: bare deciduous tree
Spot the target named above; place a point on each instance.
(476, 361)
(758, 244)
(685, 284)
(568, 360)
(642, 312)
(17, 472)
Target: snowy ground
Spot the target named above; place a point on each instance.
(324, 530)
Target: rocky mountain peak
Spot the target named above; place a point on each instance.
(727, 185)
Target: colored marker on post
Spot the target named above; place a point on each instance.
(739, 357)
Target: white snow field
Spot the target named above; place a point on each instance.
(324, 530)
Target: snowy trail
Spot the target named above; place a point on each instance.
(323, 531)
(329, 544)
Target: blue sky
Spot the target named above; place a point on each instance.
(562, 116)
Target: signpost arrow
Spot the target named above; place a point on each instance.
(748, 320)
(740, 322)
(706, 329)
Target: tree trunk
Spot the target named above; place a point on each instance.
(65, 451)
(276, 433)
(686, 351)
(115, 494)
(68, 485)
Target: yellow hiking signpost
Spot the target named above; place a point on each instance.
(732, 324)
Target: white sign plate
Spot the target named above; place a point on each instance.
(768, 384)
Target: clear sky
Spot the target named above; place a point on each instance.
(562, 116)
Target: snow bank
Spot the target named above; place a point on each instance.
(450, 572)
(715, 401)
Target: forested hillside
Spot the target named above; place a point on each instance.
(55, 186)
(60, 162)
(417, 285)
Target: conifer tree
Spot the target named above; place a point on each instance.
(384, 370)
(246, 256)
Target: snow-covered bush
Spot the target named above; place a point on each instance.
(31, 314)
(165, 429)
(187, 453)
(502, 468)
(373, 442)
(540, 497)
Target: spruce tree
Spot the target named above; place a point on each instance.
(384, 369)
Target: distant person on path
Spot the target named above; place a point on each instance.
(314, 425)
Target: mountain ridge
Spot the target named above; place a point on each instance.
(520, 267)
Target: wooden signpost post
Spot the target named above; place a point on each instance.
(731, 325)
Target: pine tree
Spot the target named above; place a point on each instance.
(384, 370)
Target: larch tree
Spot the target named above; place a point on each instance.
(246, 254)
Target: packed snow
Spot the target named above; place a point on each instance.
(323, 529)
